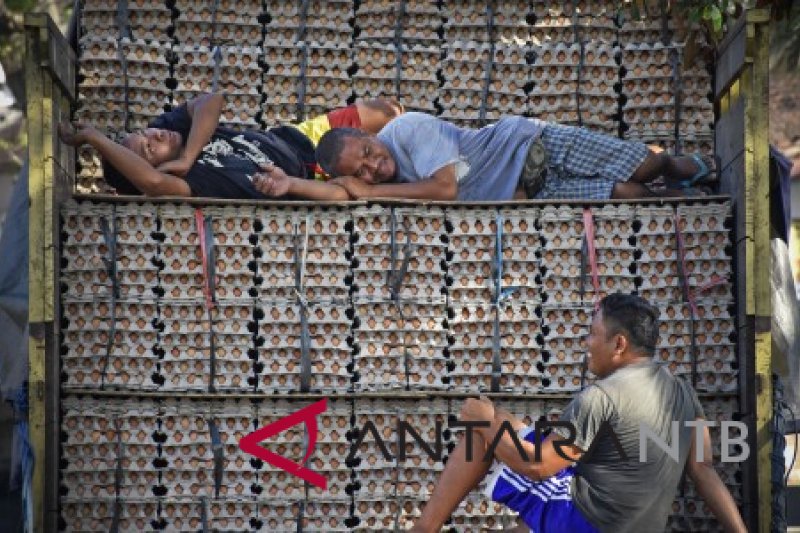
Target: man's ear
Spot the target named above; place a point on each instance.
(620, 343)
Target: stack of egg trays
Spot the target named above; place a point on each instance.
(690, 512)
(647, 26)
(575, 91)
(327, 83)
(419, 23)
(470, 22)
(570, 22)
(328, 509)
(102, 93)
(318, 41)
(648, 87)
(408, 483)
(377, 75)
(146, 20)
(282, 81)
(189, 327)
(239, 77)
(464, 71)
(90, 358)
(399, 324)
(565, 328)
(326, 22)
(696, 123)
(206, 23)
(510, 74)
(321, 237)
(563, 235)
(102, 86)
(708, 247)
(471, 277)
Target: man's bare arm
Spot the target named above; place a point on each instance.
(141, 173)
(441, 186)
(275, 183)
(507, 452)
(204, 111)
(711, 488)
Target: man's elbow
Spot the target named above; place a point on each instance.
(339, 194)
(448, 192)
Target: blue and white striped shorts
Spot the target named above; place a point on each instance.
(544, 506)
(585, 165)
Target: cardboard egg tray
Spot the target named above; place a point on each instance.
(93, 358)
(206, 23)
(325, 22)
(471, 21)
(386, 514)
(325, 515)
(374, 474)
(399, 345)
(564, 332)
(377, 21)
(148, 21)
(472, 350)
(414, 241)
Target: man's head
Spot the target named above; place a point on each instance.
(352, 152)
(155, 145)
(625, 327)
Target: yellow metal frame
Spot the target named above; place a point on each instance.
(50, 82)
(758, 305)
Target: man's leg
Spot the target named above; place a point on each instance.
(673, 168)
(457, 480)
(630, 190)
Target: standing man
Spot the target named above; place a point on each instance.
(594, 488)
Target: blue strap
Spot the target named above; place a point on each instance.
(497, 274)
(218, 451)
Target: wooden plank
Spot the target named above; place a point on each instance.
(730, 57)
(729, 142)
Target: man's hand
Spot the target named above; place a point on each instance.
(75, 136)
(477, 410)
(177, 167)
(355, 187)
(272, 181)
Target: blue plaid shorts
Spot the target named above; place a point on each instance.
(584, 165)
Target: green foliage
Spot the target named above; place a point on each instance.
(20, 6)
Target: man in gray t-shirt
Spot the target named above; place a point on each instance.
(419, 156)
(593, 479)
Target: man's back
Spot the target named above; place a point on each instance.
(626, 494)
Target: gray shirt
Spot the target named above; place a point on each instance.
(488, 160)
(617, 495)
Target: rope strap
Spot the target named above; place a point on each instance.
(110, 262)
(688, 295)
(300, 251)
(590, 251)
(487, 80)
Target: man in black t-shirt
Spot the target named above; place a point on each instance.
(186, 153)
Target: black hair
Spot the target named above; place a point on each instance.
(632, 316)
(115, 178)
(330, 146)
